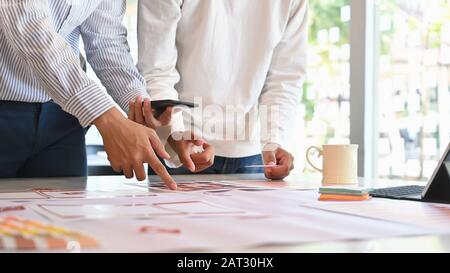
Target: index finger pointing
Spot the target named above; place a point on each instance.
(160, 170)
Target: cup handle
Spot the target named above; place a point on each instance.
(307, 157)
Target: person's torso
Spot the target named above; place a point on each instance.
(225, 50)
(225, 47)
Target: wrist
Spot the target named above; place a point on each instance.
(174, 138)
(270, 147)
(108, 119)
(179, 135)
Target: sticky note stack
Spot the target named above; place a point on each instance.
(22, 234)
(343, 194)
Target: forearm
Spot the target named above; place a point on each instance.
(107, 51)
(278, 115)
(157, 55)
(282, 91)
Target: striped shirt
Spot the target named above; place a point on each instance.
(40, 56)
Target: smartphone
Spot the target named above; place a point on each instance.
(159, 106)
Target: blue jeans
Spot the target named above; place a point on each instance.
(40, 140)
(224, 165)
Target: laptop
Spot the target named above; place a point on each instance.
(437, 190)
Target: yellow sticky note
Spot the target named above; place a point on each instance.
(336, 197)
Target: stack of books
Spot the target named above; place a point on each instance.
(344, 194)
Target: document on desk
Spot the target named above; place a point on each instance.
(21, 196)
(238, 232)
(228, 217)
(73, 194)
(139, 208)
(194, 186)
(419, 214)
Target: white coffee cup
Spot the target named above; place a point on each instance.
(340, 163)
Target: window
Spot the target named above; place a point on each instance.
(326, 93)
(413, 86)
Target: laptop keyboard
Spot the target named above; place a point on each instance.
(397, 191)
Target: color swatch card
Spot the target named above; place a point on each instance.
(22, 234)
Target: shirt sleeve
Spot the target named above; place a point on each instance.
(282, 90)
(108, 53)
(157, 29)
(28, 29)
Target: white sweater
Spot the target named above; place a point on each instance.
(246, 54)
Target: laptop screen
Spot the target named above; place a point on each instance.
(444, 162)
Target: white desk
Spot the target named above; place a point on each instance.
(431, 243)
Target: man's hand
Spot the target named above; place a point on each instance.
(183, 144)
(130, 145)
(141, 112)
(283, 160)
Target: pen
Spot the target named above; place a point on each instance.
(260, 166)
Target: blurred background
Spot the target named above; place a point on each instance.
(411, 83)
